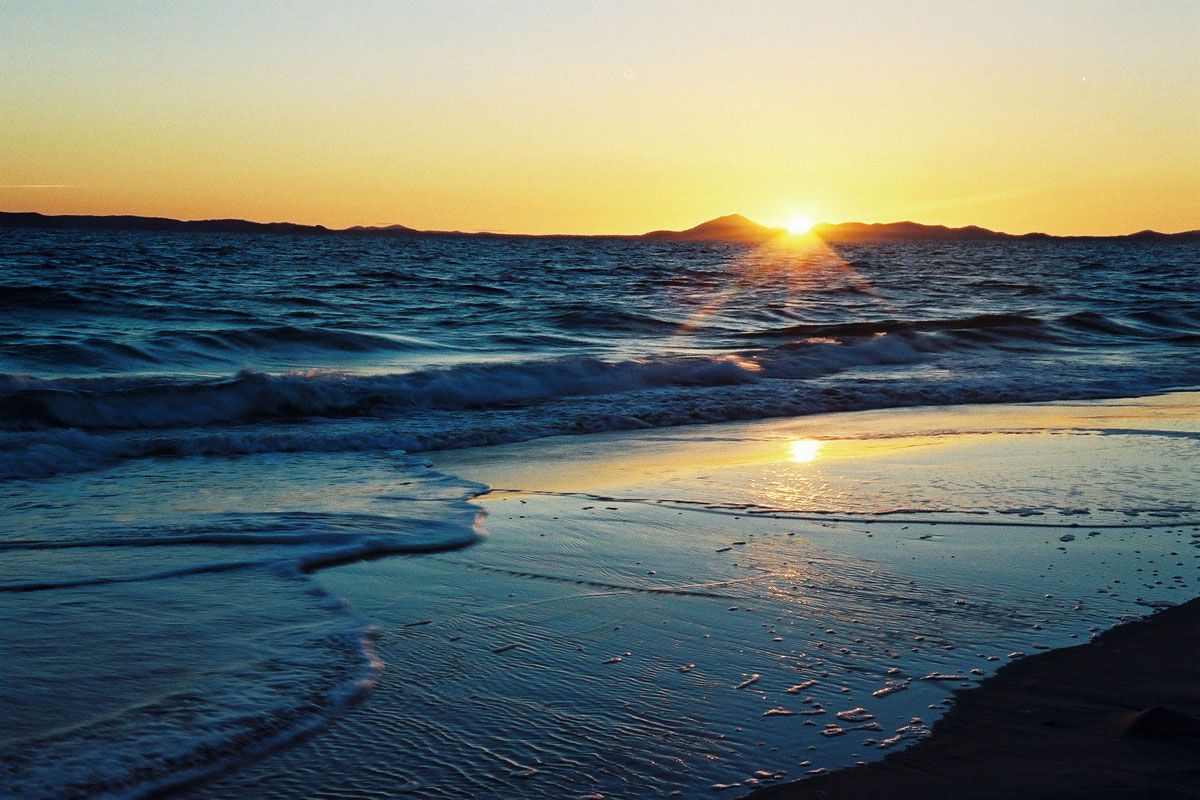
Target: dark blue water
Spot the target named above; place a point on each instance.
(171, 344)
(191, 425)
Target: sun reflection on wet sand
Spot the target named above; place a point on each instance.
(785, 485)
(803, 451)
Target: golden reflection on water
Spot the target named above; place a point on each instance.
(804, 450)
(788, 487)
(802, 263)
(794, 482)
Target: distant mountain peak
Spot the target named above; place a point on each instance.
(729, 228)
(375, 228)
(733, 219)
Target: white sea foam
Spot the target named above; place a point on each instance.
(253, 653)
(68, 425)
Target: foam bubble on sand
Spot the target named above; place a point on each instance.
(891, 687)
(754, 677)
(800, 687)
(779, 711)
(859, 714)
(766, 775)
(914, 729)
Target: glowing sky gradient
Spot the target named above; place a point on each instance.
(606, 117)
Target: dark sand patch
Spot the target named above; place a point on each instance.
(1115, 718)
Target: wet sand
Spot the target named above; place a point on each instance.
(1118, 717)
(704, 611)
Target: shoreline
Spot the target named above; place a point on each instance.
(721, 634)
(1118, 717)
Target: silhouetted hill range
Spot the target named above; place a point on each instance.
(730, 228)
(733, 228)
(736, 228)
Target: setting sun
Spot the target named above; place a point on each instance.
(799, 224)
(706, 347)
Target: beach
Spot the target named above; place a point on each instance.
(460, 400)
(326, 515)
(1116, 718)
(698, 612)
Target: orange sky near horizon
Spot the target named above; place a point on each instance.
(607, 117)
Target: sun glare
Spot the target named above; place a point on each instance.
(804, 450)
(798, 225)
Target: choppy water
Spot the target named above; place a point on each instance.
(120, 345)
(190, 425)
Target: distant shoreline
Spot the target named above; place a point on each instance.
(731, 229)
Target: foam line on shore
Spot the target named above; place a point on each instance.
(874, 517)
(688, 591)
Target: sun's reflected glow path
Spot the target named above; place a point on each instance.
(803, 451)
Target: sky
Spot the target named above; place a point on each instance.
(590, 116)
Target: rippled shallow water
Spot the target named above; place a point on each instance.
(192, 426)
(678, 612)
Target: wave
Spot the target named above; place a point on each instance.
(270, 685)
(290, 336)
(53, 425)
(246, 530)
(859, 329)
(102, 404)
(608, 320)
(211, 346)
(89, 352)
(85, 298)
(1155, 325)
(17, 297)
(1074, 329)
(264, 654)
(34, 454)
(141, 753)
(177, 739)
(296, 543)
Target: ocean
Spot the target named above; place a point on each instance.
(195, 429)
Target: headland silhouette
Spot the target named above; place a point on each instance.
(731, 228)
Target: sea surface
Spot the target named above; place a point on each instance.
(193, 427)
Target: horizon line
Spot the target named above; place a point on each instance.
(381, 227)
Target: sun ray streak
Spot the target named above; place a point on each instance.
(804, 264)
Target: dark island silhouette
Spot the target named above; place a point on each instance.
(737, 228)
(732, 228)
